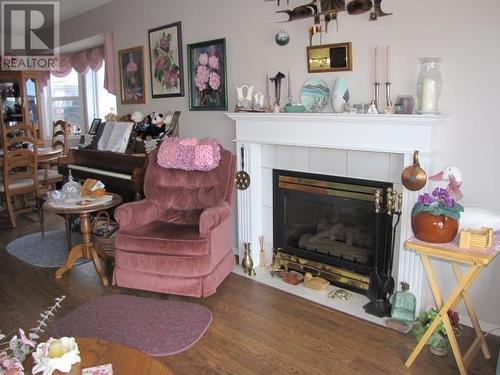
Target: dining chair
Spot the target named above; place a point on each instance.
(20, 165)
(60, 135)
(48, 175)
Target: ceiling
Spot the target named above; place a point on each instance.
(72, 8)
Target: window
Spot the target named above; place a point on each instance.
(78, 99)
(65, 100)
(99, 101)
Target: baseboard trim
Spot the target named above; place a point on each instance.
(485, 326)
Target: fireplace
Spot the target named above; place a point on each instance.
(327, 225)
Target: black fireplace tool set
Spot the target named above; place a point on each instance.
(381, 285)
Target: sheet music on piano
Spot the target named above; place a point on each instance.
(115, 136)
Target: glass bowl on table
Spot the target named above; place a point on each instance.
(54, 196)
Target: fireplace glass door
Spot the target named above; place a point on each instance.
(331, 220)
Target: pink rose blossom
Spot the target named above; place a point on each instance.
(160, 63)
(213, 62)
(172, 78)
(201, 78)
(202, 73)
(214, 81)
(203, 59)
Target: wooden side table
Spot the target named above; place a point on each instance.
(476, 260)
(87, 249)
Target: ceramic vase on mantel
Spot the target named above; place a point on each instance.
(340, 95)
(429, 85)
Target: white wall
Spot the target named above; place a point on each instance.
(465, 34)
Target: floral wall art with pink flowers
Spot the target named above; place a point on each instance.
(165, 55)
(207, 75)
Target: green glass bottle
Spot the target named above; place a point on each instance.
(404, 304)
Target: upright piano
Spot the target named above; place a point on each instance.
(121, 173)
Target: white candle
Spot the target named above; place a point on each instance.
(376, 64)
(387, 62)
(429, 95)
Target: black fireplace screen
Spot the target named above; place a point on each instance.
(330, 219)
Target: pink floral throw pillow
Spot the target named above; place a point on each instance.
(189, 154)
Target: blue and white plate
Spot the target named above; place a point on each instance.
(314, 95)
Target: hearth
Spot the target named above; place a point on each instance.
(327, 225)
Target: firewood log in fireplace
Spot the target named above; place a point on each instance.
(336, 248)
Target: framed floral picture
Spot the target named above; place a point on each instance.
(165, 56)
(207, 75)
(132, 90)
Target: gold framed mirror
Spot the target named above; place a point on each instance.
(329, 58)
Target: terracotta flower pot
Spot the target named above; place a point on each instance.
(435, 229)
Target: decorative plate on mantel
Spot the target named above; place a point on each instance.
(314, 95)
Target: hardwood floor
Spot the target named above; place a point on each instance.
(256, 329)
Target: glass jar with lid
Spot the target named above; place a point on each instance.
(71, 189)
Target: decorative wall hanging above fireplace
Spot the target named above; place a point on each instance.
(324, 11)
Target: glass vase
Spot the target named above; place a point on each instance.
(429, 85)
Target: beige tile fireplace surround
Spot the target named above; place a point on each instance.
(371, 147)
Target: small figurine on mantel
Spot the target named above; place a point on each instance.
(372, 109)
(389, 109)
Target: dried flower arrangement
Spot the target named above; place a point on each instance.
(13, 351)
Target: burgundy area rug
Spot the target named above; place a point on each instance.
(154, 326)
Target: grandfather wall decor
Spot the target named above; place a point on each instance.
(132, 90)
(165, 55)
(207, 75)
(329, 58)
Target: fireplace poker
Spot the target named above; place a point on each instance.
(379, 305)
(390, 284)
(374, 283)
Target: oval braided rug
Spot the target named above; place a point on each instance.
(154, 326)
(49, 252)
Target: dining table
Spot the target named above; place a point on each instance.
(45, 154)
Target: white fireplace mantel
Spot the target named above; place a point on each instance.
(380, 133)
(332, 134)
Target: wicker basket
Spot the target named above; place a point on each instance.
(104, 231)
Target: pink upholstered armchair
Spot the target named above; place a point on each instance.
(178, 239)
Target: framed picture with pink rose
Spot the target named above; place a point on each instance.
(132, 90)
(207, 75)
(165, 57)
